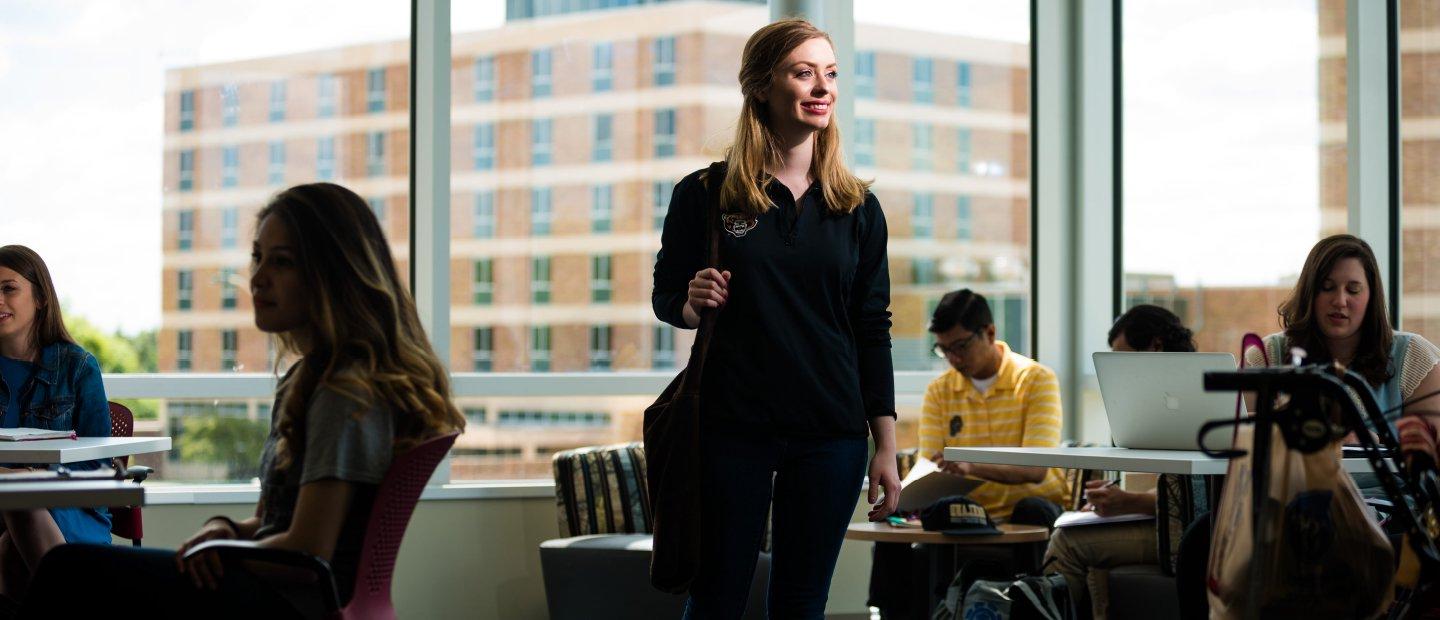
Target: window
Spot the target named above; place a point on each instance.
(485, 78)
(377, 207)
(229, 105)
(600, 347)
(277, 101)
(185, 241)
(600, 279)
(665, 133)
(923, 271)
(540, 73)
(922, 80)
(325, 159)
(602, 75)
(922, 218)
(375, 153)
(187, 170)
(184, 348)
(540, 135)
(541, 211)
(540, 280)
(230, 166)
(484, 286)
(229, 341)
(375, 90)
(604, 137)
(664, 50)
(663, 350)
(962, 84)
(864, 83)
(663, 191)
(922, 146)
(227, 288)
(482, 356)
(540, 349)
(963, 151)
(187, 110)
(602, 211)
(325, 95)
(275, 173)
(484, 152)
(864, 142)
(1420, 152)
(484, 225)
(963, 219)
(229, 228)
(184, 289)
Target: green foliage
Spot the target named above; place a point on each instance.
(232, 441)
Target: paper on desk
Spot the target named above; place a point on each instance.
(32, 434)
(1090, 517)
(926, 483)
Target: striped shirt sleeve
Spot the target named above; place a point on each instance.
(932, 434)
(1041, 409)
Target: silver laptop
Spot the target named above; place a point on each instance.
(1157, 401)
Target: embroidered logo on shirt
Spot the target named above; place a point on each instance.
(738, 224)
(955, 425)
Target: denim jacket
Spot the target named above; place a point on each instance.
(64, 393)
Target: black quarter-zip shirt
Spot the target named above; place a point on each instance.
(802, 345)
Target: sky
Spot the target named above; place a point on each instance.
(1220, 124)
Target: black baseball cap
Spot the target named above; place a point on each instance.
(958, 515)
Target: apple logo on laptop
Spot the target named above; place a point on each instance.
(1172, 402)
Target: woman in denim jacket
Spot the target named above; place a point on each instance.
(46, 381)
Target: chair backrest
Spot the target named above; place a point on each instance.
(394, 504)
(122, 424)
(601, 490)
(125, 521)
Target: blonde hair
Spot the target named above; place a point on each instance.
(756, 150)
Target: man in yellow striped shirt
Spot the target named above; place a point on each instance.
(992, 396)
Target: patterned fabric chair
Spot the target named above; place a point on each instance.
(601, 569)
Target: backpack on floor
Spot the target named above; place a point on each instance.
(1023, 598)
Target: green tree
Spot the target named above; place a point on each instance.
(228, 440)
(118, 353)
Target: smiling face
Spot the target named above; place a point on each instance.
(801, 95)
(1342, 299)
(18, 308)
(276, 282)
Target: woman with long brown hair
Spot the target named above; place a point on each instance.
(799, 369)
(365, 387)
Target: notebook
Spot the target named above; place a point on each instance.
(926, 483)
(32, 434)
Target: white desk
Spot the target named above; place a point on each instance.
(70, 494)
(1191, 462)
(51, 451)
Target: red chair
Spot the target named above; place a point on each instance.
(394, 503)
(125, 521)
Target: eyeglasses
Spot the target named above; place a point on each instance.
(955, 349)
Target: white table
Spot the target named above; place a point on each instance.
(51, 451)
(1190, 462)
(70, 494)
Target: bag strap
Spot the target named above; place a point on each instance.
(1045, 606)
(714, 178)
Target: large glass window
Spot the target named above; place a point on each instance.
(1419, 177)
(664, 61)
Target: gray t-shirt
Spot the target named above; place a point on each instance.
(344, 440)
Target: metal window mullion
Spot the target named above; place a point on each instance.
(430, 170)
(1369, 112)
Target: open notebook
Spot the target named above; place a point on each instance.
(32, 434)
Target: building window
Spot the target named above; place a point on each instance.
(665, 133)
(962, 85)
(375, 153)
(922, 218)
(602, 77)
(229, 166)
(186, 239)
(864, 142)
(277, 101)
(600, 347)
(485, 78)
(663, 353)
(963, 152)
(604, 137)
(229, 228)
(187, 170)
(483, 356)
(325, 98)
(663, 191)
(924, 271)
(184, 348)
(229, 341)
(922, 151)
(540, 135)
(484, 152)
(229, 105)
(375, 90)
(600, 276)
(865, 75)
(377, 207)
(602, 209)
(325, 159)
(484, 225)
(922, 80)
(664, 49)
(540, 280)
(540, 73)
(964, 224)
(187, 110)
(540, 349)
(275, 173)
(541, 211)
(184, 289)
(484, 287)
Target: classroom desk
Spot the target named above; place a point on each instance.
(70, 494)
(884, 532)
(1187, 462)
(52, 451)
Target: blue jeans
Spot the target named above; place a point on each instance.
(815, 482)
